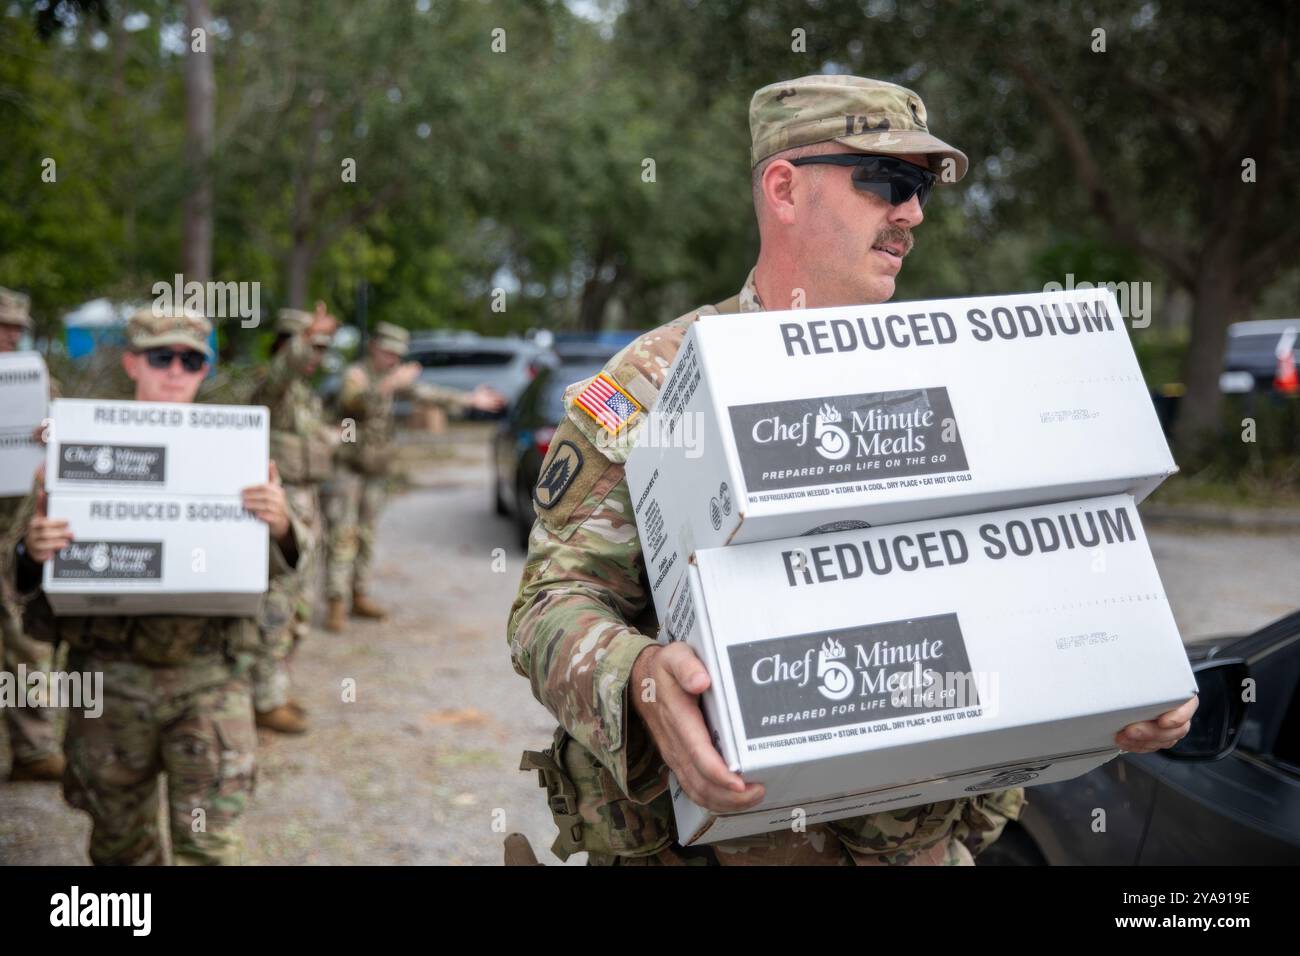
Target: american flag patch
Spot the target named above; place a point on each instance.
(604, 401)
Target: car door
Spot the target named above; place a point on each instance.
(1245, 808)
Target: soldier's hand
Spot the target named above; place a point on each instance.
(1148, 736)
(322, 323)
(486, 399)
(45, 536)
(676, 725)
(268, 503)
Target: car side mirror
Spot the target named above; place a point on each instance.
(1216, 724)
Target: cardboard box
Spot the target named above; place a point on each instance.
(157, 554)
(700, 826)
(156, 448)
(24, 399)
(777, 424)
(865, 661)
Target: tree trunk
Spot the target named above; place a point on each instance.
(597, 290)
(200, 123)
(300, 259)
(1216, 305)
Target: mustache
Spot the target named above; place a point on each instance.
(895, 236)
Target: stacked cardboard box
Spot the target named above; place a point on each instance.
(151, 493)
(24, 395)
(799, 486)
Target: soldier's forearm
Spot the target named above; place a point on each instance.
(448, 398)
(578, 656)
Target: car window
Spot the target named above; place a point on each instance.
(1252, 349)
(436, 358)
(560, 379)
(1269, 724)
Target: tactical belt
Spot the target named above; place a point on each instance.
(561, 794)
(129, 647)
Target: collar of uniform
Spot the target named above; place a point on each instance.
(749, 300)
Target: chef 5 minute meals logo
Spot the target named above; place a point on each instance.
(143, 464)
(853, 675)
(109, 560)
(843, 438)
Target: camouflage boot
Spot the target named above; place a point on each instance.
(285, 719)
(46, 768)
(362, 606)
(338, 616)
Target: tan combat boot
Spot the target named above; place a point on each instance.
(519, 852)
(285, 719)
(46, 768)
(362, 606)
(338, 616)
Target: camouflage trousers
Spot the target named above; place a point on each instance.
(286, 613)
(966, 830)
(33, 733)
(352, 506)
(193, 723)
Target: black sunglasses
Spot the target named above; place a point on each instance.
(893, 180)
(191, 361)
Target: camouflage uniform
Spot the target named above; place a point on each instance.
(583, 615)
(32, 731)
(176, 700)
(355, 496)
(302, 447)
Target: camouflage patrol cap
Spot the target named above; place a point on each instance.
(866, 115)
(15, 309)
(147, 329)
(392, 338)
(291, 321)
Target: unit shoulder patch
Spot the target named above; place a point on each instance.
(559, 474)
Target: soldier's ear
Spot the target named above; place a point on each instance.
(131, 364)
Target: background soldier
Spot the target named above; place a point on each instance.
(582, 627)
(302, 447)
(356, 495)
(32, 738)
(176, 695)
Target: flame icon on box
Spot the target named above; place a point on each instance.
(832, 650)
(832, 441)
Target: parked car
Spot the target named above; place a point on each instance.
(1227, 793)
(524, 436)
(1261, 357)
(465, 360)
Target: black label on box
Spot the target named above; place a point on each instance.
(901, 671)
(836, 439)
(137, 464)
(109, 561)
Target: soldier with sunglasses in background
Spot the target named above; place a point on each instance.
(176, 692)
(841, 168)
